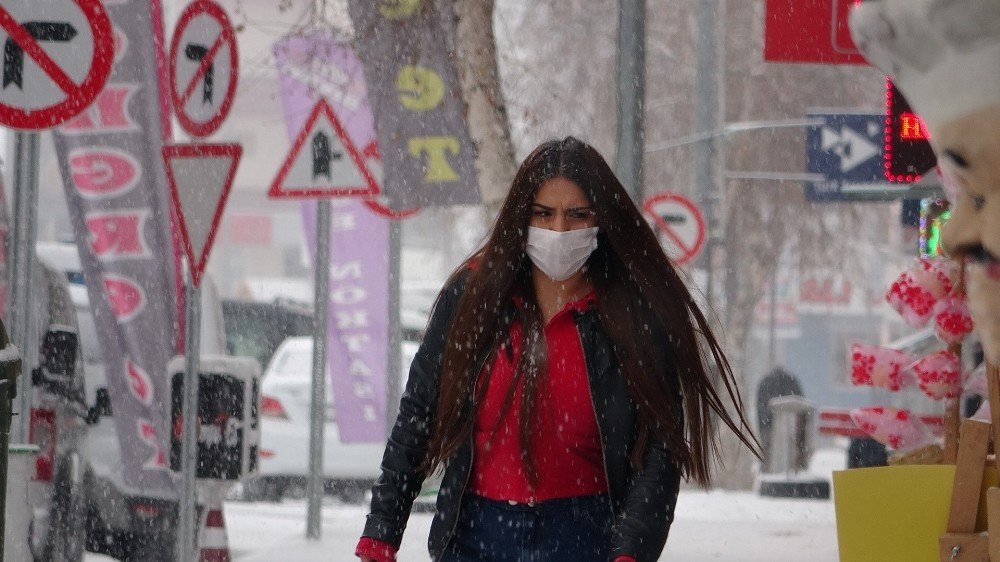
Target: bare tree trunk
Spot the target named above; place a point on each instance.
(487, 117)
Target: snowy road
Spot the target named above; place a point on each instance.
(710, 526)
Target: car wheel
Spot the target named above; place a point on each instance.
(101, 538)
(149, 547)
(265, 488)
(67, 531)
(351, 491)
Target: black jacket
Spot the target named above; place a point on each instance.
(643, 502)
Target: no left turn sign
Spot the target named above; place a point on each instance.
(203, 68)
(679, 223)
(57, 56)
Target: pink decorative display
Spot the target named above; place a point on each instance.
(976, 383)
(917, 290)
(952, 320)
(892, 427)
(939, 375)
(872, 365)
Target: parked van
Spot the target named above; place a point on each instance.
(119, 520)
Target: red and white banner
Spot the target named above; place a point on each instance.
(112, 170)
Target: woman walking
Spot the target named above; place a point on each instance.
(563, 384)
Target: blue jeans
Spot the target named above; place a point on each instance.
(562, 530)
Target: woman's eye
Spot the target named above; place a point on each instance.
(541, 213)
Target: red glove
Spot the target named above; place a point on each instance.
(624, 558)
(379, 551)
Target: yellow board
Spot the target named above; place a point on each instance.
(896, 512)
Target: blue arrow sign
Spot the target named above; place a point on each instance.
(847, 149)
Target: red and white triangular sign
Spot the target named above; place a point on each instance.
(323, 162)
(200, 178)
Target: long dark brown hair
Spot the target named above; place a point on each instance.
(643, 306)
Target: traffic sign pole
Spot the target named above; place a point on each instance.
(394, 383)
(23, 264)
(318, 397)
(200, 178)
(188, 526)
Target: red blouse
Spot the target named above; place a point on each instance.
(566, 443)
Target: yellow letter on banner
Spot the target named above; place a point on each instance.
(436, 164)
(398, 9)
(420, 88)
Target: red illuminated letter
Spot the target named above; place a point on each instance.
(911, 127)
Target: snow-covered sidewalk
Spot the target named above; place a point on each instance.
(709, 526)
(732, 526)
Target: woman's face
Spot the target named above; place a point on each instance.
(561, 205)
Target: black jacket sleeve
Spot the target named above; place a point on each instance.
(400, 482)
(641, 528)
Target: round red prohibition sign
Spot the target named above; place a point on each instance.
(681, 221)
(204, 68)
(380, 203)
(57, 58)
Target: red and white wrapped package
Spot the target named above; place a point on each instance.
(939, 375)
(893, 427)
(918, 289)
(952, 320)
(872, 365)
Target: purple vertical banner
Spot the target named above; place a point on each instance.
(322, 65)
(116, 190)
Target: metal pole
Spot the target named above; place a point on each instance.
(394, 380)
(23, 264)
(317, 414)
(9, 370)
(631, 94)
(706, 119)
(772, 326)
(186, 537)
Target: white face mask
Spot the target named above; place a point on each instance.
(560, 254)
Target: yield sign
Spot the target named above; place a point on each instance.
(203, 68)
(200, 177)
(323, 162)
(680, 221)
(57, 55)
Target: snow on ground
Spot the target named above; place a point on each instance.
(709, 526)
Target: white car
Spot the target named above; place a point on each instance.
(349, 469)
